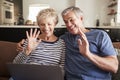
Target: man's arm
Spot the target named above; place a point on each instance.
(20, 45)
(109, 63)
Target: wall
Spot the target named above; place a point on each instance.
(59, 5)
(17, 9)
(92, 9)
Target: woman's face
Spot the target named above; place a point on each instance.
(47, 26)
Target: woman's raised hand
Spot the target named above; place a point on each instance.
(33, 41)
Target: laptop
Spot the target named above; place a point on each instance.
(35, 72)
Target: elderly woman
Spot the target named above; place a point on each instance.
(44, 48)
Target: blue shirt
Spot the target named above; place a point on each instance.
(78, 67)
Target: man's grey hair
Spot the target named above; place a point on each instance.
(78, 12)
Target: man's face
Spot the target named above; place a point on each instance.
(72, 22)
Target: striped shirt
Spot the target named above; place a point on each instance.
(46, 53)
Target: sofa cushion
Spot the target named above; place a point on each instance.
(7, 54)
(4, 78)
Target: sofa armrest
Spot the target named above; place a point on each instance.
(116, 76)
(7, 54)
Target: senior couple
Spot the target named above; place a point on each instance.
(84, 54)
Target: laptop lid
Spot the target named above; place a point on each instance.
(35, 72)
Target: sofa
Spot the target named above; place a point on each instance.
(8, 52)
(117, 47)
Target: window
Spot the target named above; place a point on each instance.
(34, 9)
